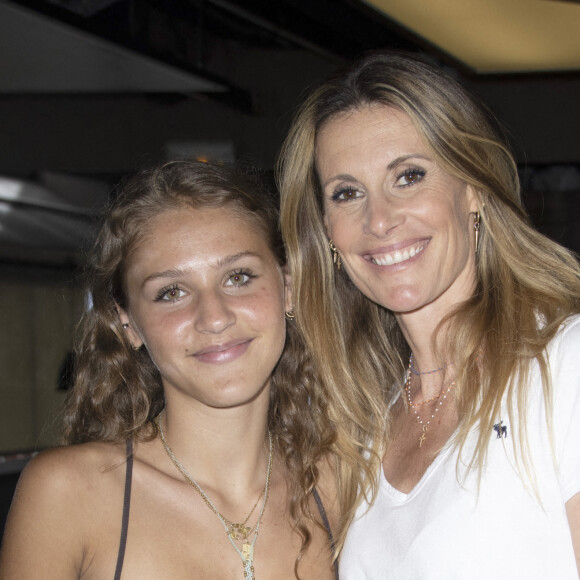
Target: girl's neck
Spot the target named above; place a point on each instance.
(226, 447)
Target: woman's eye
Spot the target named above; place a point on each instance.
(346, 194)
(239, 278)
(410, 177)
(171, 294)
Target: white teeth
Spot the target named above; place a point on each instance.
(397, 256)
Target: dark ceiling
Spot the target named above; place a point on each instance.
(192, 34)
(92, 89)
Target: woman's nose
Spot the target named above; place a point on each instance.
(213, 313)
(381, 214)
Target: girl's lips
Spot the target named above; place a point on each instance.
(399, 255)
(223, 353)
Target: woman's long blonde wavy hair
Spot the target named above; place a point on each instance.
(526, 284)
(118, 392)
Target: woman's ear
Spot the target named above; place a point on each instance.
(132, 334)
(288, 303)
(473, 199)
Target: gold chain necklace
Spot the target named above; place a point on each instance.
(442, 396)
(234, 531)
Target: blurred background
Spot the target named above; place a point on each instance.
(91, 90)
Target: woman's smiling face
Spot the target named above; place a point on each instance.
(207, 297)
(401, 224)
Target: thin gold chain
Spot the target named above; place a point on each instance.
(441, 396)
(236, 531)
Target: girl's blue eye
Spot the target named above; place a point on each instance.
(410, 177)
(171, 294)
(346, 194)
(239, 278)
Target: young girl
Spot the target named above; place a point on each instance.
(195, 451)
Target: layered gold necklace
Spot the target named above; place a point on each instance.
(233, 530)
(441, 397)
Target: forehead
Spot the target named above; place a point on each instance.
(195, 218)
(366, 126)
(175, 233)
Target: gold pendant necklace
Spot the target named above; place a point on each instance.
(241, 531)
(442, 396)
(234, 531)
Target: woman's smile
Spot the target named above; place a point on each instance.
(396, 256)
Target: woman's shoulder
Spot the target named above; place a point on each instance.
(566, 341)
(570, 328)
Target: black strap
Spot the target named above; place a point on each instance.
(126, 506)
(322, 512)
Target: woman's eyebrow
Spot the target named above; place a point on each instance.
(390, 166)
(405, 158)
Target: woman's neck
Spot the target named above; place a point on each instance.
(432, 369)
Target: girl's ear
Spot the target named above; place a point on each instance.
(132, 334)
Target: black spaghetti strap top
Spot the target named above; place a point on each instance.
(322, 512)
(127, 506)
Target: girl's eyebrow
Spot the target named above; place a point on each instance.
(178, 272)
(235, 257)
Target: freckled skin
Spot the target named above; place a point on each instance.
(385, 192)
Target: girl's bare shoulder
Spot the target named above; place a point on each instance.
(67, 499)
(74, 468)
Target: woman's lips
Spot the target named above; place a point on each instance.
(399, 255)
(222, 353)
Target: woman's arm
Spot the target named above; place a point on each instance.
(573, 512)
(41, 539)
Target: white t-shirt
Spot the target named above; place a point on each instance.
(444, 530)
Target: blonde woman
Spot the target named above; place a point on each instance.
(445, 326)
(197, 442)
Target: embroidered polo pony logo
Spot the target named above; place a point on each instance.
(501, 430)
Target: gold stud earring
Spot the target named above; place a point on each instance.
(335, 255)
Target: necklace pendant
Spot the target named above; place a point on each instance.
(239, 532)
(423, 436)
(247, 552)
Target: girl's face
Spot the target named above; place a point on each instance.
(402, 225)
(207, 298)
